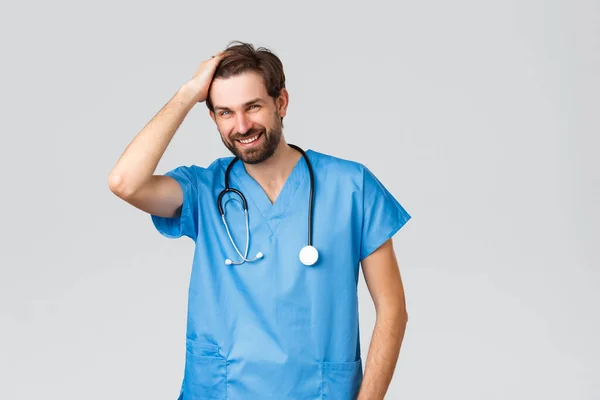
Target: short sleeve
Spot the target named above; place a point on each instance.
(186, 221)
(383, 215)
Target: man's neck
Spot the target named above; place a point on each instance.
(272, 173)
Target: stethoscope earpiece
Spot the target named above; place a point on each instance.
(308, 255)
(244, 259)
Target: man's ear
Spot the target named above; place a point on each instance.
(212, 115)
(282, 102)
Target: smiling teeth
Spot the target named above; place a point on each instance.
(249, 140)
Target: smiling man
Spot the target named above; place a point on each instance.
(247, 138)
(282, 324)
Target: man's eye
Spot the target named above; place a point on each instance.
(223, 112)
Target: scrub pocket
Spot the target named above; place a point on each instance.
(205, 372)
(341, 380)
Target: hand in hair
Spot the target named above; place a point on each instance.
(202, 78)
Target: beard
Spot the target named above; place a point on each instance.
(269, 140)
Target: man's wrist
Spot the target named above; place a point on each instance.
(186, 95)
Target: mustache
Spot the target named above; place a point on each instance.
(250, 133)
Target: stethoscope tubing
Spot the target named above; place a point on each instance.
(229, 189)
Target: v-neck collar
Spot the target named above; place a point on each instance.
(273, 213)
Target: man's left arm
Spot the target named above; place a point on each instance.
(382, 277)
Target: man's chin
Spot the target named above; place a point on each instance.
(253, 156)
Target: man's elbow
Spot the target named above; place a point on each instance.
(394, 311)
(402, 315)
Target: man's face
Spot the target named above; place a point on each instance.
(248, 119)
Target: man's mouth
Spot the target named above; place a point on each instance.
(250, 139)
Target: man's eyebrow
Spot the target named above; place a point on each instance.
(246, 104)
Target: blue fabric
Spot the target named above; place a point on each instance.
(275, 328)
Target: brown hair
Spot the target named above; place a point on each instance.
(242, 57)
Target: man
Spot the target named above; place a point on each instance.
(272, 313)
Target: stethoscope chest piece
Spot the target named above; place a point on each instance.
(309, 255)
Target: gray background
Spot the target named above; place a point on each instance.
(478, 116)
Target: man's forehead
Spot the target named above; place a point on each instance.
(238, 90)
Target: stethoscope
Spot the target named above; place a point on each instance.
(308, 254)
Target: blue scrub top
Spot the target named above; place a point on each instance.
(276, 328)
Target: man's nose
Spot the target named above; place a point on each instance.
(242, 123)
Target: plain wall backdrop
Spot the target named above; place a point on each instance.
(482, 118)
